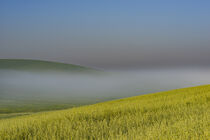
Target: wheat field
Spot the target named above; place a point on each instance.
(176, 114)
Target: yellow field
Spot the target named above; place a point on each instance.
(176, 114)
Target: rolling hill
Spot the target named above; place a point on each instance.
(175, 114)
(40, 65)
(20, 91)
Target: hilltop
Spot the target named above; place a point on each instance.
(40, 65)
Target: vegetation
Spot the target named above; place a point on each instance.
(11, 115)
(175, 114)
(40, 65)
(20, 106)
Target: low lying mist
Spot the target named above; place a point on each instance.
(112, 85)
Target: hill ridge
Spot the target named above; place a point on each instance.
(40, 65)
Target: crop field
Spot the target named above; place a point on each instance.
(175, 114)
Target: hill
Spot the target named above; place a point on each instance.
(175, 114)
(21, 90)
(39, 65)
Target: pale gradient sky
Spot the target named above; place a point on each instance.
(107, 34)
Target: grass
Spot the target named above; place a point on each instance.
(21, 106)
(40, 65)
(11, 115)
(12, 106)
(176, 114)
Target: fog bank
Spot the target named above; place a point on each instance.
(112, 85)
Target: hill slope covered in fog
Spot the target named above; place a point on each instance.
(175, 114)
(39, 65)
(30, 85)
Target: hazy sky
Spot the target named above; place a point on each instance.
(107, 33)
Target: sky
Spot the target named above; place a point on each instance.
(107, 34)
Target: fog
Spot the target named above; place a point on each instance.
(111, 85)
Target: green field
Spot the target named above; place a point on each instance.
(31, 106)
(40, 65)
(175, 114)
(22, 106)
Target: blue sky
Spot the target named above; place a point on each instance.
(107, 33)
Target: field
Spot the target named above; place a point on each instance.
(22, 106)
(176, 114)
(40, 65)
(8, 106)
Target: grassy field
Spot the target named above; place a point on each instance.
(11, 115)
(22, 106)
(40, 65)
(12, 106)
(176, 114)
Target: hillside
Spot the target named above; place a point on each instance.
(39, 65)
(22, 85)
(175, 114)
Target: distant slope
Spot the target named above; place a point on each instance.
(175, 114)
(39, 65)
(18, 94)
